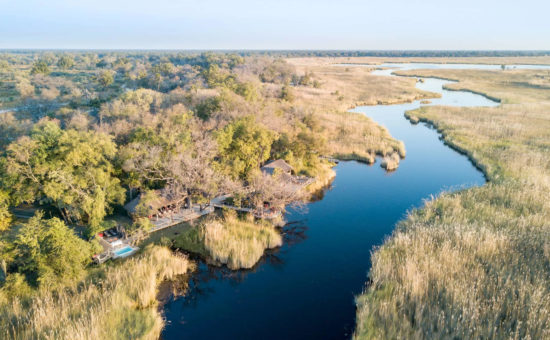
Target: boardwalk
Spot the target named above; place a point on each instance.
(218, 203)
(184, 215)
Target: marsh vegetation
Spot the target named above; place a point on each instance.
(474, 264)
(236, 242)
(113, 302)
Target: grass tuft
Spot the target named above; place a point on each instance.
(232, 241)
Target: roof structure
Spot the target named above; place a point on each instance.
(162, 200)
(277, 164)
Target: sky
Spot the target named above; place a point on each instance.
(281, 24)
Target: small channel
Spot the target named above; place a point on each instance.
(306, 288)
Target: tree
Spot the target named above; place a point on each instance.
(65, 62)
(70, 169)
(247, 90)
(47, 251)
(277, 190)
(25, 88)
(146, 201)
(105, 78)
(5, 215)
(40, 67)
(208, 106)
(243, 146)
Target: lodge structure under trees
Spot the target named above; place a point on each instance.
(156, 204)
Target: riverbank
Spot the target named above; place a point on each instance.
(468, 264)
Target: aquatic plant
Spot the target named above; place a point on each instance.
(238, 243)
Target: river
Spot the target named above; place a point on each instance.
(306, 288)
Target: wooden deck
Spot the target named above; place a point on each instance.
(185, 215)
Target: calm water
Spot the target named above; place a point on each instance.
(306, 288)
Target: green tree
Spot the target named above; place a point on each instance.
(65, 62)
(208, 106)
(40, 67)
(146, 202)
(105, 78)
(102, 63)
(70, 169)
(47, 251)
(247, 90)
(243, 146)
(5, 215)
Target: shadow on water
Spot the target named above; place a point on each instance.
(196, 286)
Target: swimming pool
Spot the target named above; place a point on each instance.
(123, 252)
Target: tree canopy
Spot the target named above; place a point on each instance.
(243, 146)
(47, 251)
(69, 168)
(40, 67)
(65, 62)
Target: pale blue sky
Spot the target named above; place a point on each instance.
(283, 24)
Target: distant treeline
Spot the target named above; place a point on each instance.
(419, 53)
(319, 53)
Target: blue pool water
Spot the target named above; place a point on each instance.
(123, 251)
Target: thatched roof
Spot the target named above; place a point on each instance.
(276, 164)
(162, 200)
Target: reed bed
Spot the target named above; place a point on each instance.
(116, 302)
(237, 243)
(474, 264)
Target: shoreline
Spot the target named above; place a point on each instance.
(454, 81)
(444, 138)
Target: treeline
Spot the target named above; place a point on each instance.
(188, 54)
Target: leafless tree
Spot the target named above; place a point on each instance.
(277, 190)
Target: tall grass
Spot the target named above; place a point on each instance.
(232, 241)
(117, 302)
(474, 264)
(353, 136)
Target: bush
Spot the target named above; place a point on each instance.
(40, 67)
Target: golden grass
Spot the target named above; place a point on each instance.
(232, 241)
(324, 179)
(390, 163)
(353, 136)
(346, 87)
(117, 302)
(474, 264)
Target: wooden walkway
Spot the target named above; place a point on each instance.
(218, 203)
(185, 215)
